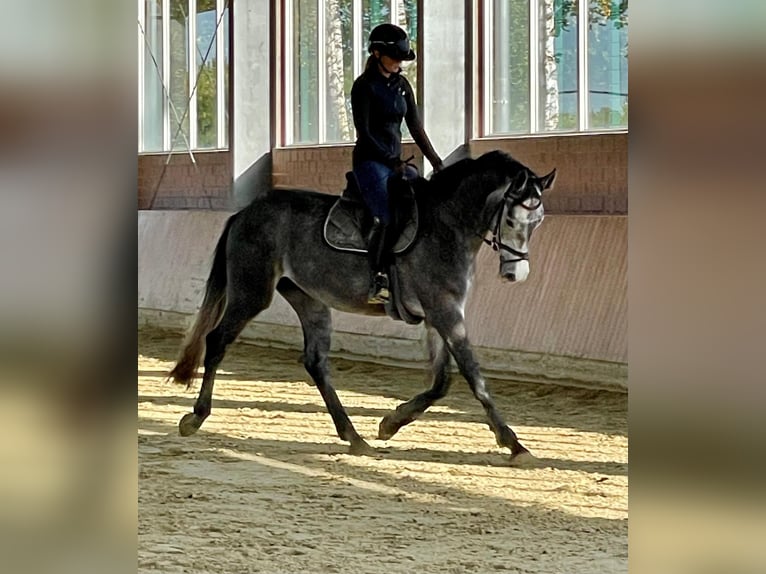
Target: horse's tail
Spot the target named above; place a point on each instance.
(208, 315)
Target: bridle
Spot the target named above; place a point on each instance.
(496, 243)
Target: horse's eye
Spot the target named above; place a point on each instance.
(509, 221)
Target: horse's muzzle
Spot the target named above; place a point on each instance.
(514, 271)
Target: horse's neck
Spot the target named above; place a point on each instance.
(465, 210)
(462, 222)
(473, 209)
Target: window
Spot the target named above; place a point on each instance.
(555, 66)
(183, 83)
(325, 51)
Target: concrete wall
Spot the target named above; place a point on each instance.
(567, 323)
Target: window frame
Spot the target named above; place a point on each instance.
(169, 123)
(287, 131)
(486, 21)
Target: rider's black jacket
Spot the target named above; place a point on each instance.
(379, 104)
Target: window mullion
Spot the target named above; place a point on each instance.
(192, 55)
(321, 72)
(534, 65)
(358, 49)
(220, 64)
(489, 29)
(289, 39)
(141, 73)
(582, 65)
(166, 125)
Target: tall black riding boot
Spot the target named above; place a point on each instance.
(376, 249)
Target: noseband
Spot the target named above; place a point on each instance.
(496, 243)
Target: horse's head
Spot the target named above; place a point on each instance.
(517, 214)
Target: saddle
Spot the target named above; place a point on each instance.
(348, 225)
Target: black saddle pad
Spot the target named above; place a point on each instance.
(348, 221)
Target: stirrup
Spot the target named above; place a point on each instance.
(379, 292)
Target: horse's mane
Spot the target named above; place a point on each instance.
(487, 172)
(459, 191)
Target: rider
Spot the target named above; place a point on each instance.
(380, 98)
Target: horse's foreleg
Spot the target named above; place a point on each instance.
(316, 322)
(460, 347)
(405, 413)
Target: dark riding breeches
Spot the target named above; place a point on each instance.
(373, 182)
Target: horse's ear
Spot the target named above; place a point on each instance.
(546, 181)
(520, 180)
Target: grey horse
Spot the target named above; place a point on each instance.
(276, 243)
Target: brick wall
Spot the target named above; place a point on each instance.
(321, 168)
(592, 172)
(592, 169)
(184, 185)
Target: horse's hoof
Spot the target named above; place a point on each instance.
(386, 430)
(189, 424)
(524, 459)
(361, 448)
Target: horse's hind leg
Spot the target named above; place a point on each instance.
(316, 321)
(239, 311)
(405, 413)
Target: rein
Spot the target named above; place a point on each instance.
(496, 243)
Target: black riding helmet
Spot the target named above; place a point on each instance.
(391, 41)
